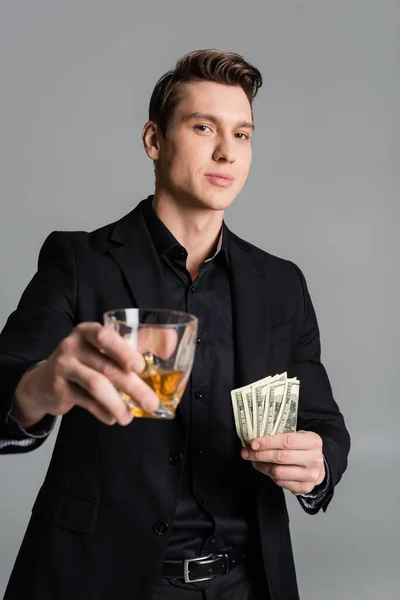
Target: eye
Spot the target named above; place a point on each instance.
(202, 128)
(243, 136)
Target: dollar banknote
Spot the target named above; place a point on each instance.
(289, 404)
(241, 421)
(266, 407)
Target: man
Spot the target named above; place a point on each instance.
(127, 504)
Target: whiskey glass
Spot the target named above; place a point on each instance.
(167, 341)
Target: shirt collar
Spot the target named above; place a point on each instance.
(165, 242)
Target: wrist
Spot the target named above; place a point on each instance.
(24, 410)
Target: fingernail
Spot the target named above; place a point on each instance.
(245, 454)
(255, 445)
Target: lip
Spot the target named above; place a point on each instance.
(221, 179)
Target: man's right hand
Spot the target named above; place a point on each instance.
(86, 369)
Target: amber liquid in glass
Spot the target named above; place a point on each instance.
(165, 383)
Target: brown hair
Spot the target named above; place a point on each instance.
(201, 65)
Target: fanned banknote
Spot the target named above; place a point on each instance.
(266, 407)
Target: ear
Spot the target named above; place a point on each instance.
(151, 140)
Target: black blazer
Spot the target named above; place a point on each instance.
(101, 522)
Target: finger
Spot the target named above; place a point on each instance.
(302, 458)
(298, 440)
(130, 383)
(296, 487)
(82, 399)
(113, 345)
(159, 341)
(290, 473)
(100, 389)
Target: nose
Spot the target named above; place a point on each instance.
(224, 151)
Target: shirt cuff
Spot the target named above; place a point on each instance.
(19, 438)
(38, 431)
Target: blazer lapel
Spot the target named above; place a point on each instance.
(138, 260)
(141, 267)
(251, 312)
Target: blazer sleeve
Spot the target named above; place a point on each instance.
(43, 317)
(318, 410)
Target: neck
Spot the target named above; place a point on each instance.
(196, 229)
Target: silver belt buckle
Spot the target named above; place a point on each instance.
(187, 562)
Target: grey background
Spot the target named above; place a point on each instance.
(75, 81)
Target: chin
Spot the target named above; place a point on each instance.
(216, 201)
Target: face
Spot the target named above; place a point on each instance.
(205, 159)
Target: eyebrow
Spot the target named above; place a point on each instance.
(214, 119)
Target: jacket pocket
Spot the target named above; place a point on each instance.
(66, 510)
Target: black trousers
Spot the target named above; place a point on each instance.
(240, 584)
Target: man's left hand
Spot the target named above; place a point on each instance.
(294, 461)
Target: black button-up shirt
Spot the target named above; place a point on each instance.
(213, 510)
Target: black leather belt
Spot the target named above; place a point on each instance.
(204, 567)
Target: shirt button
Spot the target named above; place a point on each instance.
(160, 527)
(193, 288)
(175, 458)
(198, 340)
(198, 395)
(199, 450)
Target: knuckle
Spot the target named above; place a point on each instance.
(109, 369)
(59, 386)
(94, 384)
(282, 456)
(103, 334)
(66, 345)
(62, 361)
(317, 461)
(288, 441)
(276, 472)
